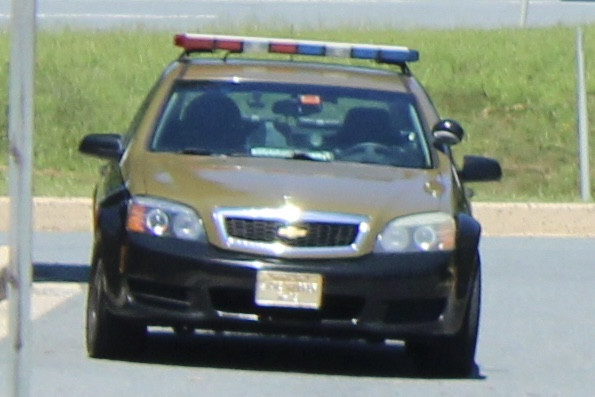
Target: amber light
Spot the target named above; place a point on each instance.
(310, 100)
(136, 219)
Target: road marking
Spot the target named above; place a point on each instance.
(127, 16)
(118, 16)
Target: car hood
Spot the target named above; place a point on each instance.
(381, 193)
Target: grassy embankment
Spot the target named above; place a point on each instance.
(513, 90)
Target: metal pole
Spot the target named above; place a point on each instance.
(20, 135)
(524, 11)
(583, 127)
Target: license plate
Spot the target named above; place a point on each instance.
(292, 290)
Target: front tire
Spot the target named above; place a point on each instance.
(108, 336)
(451, 355)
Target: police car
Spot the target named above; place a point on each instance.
(264, 187)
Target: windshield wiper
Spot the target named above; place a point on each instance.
(197, 151)
(292, 154)
(313, 156)
(309, 156)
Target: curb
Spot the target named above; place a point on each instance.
(52, 214)
(536, 219)
(498, 219)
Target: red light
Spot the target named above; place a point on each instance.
(283, 48)
(194, 43)
(231, 45)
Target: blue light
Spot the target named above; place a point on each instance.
(311, 49)
(364, 53)
(394, 56)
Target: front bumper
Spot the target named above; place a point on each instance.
(171, 282)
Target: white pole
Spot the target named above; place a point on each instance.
(524, 11)
(20, 135)
(583, 127)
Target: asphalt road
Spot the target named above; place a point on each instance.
(303, 14)
(536, 339)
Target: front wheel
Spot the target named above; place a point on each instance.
(107, 335)
(451, 355)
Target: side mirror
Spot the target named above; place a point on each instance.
(480, 169)
(447, 132)
(105, 146)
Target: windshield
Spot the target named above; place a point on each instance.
(302, 122)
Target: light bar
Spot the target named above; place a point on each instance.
(242, 44)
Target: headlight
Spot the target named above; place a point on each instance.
(164, 218)
(418, 233)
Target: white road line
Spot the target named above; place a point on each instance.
(118, 16)
(194, 2)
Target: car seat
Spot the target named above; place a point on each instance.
(212, 121)
(366, 124)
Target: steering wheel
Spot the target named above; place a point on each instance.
(368, 149)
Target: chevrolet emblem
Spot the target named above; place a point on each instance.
(292, 232)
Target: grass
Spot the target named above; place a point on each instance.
(513, 90)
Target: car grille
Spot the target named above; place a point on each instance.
(317, 234)
(282, 233)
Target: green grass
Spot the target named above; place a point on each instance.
(513, 90)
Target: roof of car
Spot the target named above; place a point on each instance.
(293, 72)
